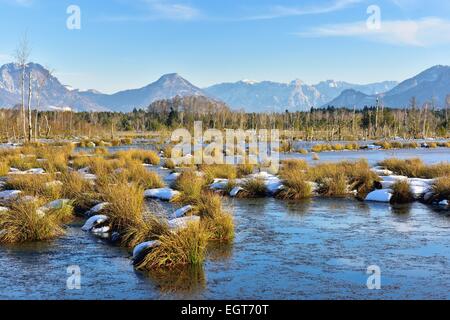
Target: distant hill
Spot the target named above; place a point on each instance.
(189, 105)
(432, 86)
(167, 87)
(294, 96)
(54, 95)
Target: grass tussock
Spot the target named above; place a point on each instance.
(62, 215)
(23, 223)
(293, 165)
(80, 191)
(245, 169)
(402, 193)
(338, 179)
(441, 189)
(144, 156)
(135, 172)
(98, 165)
(24, 163)
(4, 168)
(253, 188)
(126, 214)
(169, 164)
(183, 248)
(416, 168)
(190, 185)
(296, 187)
(217, 222)
(219, 171)
(41, 186)
(334, 185)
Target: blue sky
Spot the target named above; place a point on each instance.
(126, 44)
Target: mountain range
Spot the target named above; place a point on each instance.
(432, 84)
(294, 96)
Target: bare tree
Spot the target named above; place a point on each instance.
(30, 93)
(447, 106)
(22, 55)
(40, 84)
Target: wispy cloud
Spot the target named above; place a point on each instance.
(425, 32)
(5, 58)
(285, 11)
(21, 3)
(159, 10)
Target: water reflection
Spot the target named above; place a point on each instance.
(218, 251)
(190, 279)
(301, 207)
(403, 210)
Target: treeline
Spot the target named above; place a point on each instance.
(315, 124)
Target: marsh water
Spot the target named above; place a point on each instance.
(317, 249)
(309, 250)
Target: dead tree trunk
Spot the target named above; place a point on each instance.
(30, 122)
